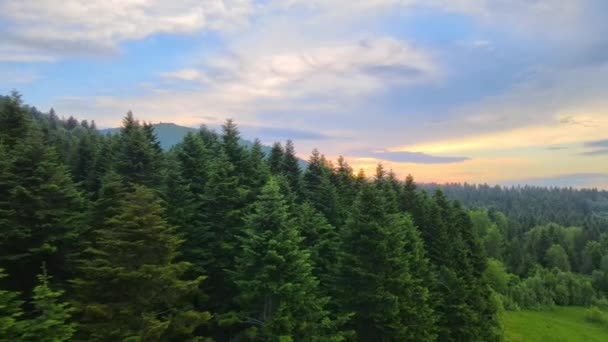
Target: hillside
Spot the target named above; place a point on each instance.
(565, 324)
(170, 134)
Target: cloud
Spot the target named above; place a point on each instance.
(12, 56)
(412, 157)
(17, 77)
(282, 133)
(600, 152)
(183, 74)
(85, 27)
(333, 68)
(530, 136)
(576, 180)
(597, 143)
(570, 120)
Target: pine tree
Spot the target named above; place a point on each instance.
(381, 277)
(210, 138)
(105, 160)
(214, 244)
(138, 159)
(279, 297)
(10, 314)
(275, 159)
(322, 240)
(71, 123)
(152, 138)
(83, 168)
(291, 169)
(388, 187)
(344, 181)
(180, 201)
(259, 172)
(135, 252)
(46, 213)
(234, 151)
(52, 321)
(194, 158)
(318, 189)
(14, 121)
(7, 183)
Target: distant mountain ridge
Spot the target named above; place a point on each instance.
(170, 134)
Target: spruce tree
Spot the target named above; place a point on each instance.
(322, 240)
(210, 138)
(318, 189)
(193, 158)
(214, 244)
(7, 184)
(381, 277)
(275, 159)
(291, 169)
(14, 121)
(279, 297)
(46, 213)
(138, 159)
(408, 197)
(10, 314)
(344, 180)
(234, 151)
(52, 320)
(135, 252)
(83, 166)
(259, 171)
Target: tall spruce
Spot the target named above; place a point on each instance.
(234, 151)
(381, 279)
(318, 189)
(138, 159)
(275, 159)
(14, 120)
(10, 313)
(52, 321)
(215, 244)
(291, 169)
(279, 298)
(259, 171)
(46, 213)
(135, 251)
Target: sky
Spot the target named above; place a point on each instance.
(478, 91)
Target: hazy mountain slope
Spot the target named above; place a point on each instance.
(170, 134)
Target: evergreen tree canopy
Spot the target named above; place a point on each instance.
(279, 296)
(380, 281)
(135, 252)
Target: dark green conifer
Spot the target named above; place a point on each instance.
(138, 159)
(52, 316)
(275, 159)
(135, 252)
(279, 297)
(318, 189)
(291, 168)
(381, 277)
(14, 121)
(10, 314)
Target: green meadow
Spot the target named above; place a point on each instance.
(560, 324)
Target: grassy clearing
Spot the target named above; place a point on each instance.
(563, 324)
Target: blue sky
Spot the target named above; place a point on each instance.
(480, 91)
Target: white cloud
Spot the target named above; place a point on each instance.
(82, 26)
(338, 69)
(183, 74)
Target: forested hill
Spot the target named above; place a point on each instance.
(170, 134)
(530, 205)
(110, 237)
